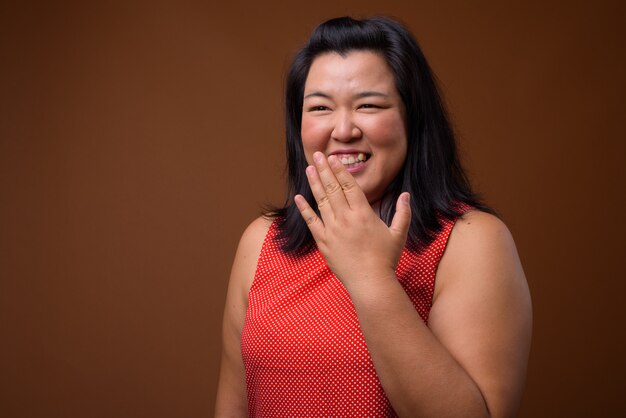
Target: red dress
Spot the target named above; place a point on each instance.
(302, 347)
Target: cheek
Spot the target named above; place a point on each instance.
(387, 132)
(314, 136)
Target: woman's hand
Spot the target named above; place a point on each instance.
(356, 244)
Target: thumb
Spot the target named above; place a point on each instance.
(402, 218)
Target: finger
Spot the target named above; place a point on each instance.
(402, 218)
(353, 193)
(315, 224)
(332, 188)
(319, 193)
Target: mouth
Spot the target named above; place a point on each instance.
(353, 160)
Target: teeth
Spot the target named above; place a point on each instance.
(348, 159)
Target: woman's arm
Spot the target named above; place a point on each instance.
(231, 398)
(480, 273)
(472, 359)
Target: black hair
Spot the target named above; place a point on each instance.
(432, 172)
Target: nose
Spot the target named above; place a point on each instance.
(345, 129)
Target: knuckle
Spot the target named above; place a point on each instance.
(332, 188)
(347, 186)
(310, 220)
(322, 201)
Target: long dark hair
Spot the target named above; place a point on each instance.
(432, 172)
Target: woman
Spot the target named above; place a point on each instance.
(383, 287)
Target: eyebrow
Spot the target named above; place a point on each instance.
(356, 96)
(317, 94)
(370, 94)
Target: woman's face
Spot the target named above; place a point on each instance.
(352, 109)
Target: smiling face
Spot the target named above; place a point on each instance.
(352, 109)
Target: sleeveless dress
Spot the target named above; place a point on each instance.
(302, 346)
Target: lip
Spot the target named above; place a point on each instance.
(358, 168)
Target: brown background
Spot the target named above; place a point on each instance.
(137, 140)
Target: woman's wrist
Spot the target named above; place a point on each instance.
(370, 282)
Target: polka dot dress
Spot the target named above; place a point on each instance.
(302, 347)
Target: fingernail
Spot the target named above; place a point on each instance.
(406, 198)
(310, 170)
(333, 161)
(317, 157)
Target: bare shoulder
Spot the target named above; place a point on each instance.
(479, 242)
(253, 236)
(477, 228)
(248, 253)
(242, 275)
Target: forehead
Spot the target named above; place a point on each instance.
(355, 70)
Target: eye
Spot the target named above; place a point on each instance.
(318, 108)
(369, 106)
